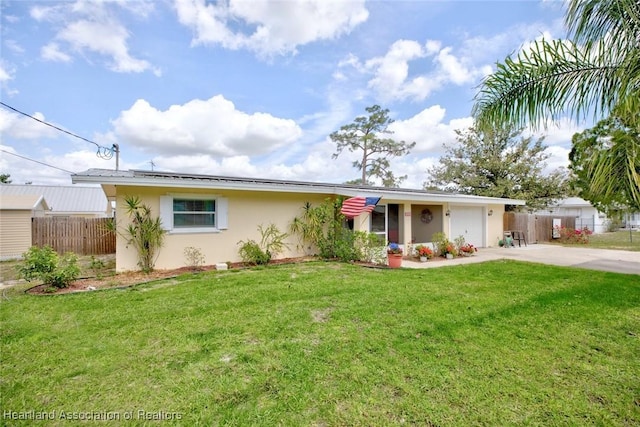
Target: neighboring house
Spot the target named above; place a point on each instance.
(16, 212)
(67, 200)
(214, 213)
(587, 215)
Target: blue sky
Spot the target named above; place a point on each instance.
(249, 88)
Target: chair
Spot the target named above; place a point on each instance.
(519, 236)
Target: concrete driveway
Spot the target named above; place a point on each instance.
(595, 259)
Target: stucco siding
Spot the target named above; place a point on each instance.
(246, 211)
(15, 232)
(495, 225)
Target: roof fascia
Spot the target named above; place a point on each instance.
(301, 188)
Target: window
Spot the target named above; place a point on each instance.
(194, 213)
(187, 213)
(378, 223)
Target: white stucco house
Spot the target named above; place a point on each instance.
(587, 215)
(213, 213)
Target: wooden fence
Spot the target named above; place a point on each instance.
(537, 228)
(83, 236)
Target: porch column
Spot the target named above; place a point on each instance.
(406, 226)
(361, 222)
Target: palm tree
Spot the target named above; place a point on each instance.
(597, 71)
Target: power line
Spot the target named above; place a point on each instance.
(36, 161)
(103, 152)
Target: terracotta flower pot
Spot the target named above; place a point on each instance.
(394, 260)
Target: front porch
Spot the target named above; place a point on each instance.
(410, 224)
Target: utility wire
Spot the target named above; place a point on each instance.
(103, 152)
(32, 160)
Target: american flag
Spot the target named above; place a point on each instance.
(356, 205)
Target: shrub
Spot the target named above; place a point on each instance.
(272, 240)
(442, 244)
(369, 248)
(321, 228)
(97, 266)
(194, 257)
(613, 224)
(144, 233)
(271, 243)
(570, 235)
(44, 264)
(251, 253)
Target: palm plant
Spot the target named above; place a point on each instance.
(144, 233)
(597, 70)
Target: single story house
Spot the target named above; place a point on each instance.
(65, 200)
(587, 215)
(214, 213)
(16, 212)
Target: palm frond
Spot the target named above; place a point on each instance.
(595, 72)
(624, 156)
(553, 77)
(592, 20)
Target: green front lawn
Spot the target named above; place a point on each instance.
(324, 344)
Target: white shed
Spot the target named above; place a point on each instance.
(16, 212)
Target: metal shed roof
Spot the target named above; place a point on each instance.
(63, 199)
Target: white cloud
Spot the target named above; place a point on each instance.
(276, 27)
(21, 127)
(14, 46)
(453, 68)
(557, 138)
(416, 170)
(51, 169)
(428, 130)
(558, 158)
(392, 76)
(391, 71)
(92, 28)
(108, 38)
(52, 52)
(213, 127)
(560, 132)
(6, 73)
(461, 64)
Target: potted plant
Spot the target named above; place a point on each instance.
(449, 250)
(444, 247)
(424, 252)
(467, 249)
(394, 255)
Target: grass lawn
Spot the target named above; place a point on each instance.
(625, 240)
(324, 344)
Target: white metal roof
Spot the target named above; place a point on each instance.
(63, 199)
(107, 178)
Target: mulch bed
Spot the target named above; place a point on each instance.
(132, 278)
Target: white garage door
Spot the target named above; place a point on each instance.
(468, 221)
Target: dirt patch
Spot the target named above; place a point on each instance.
(321, 316)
